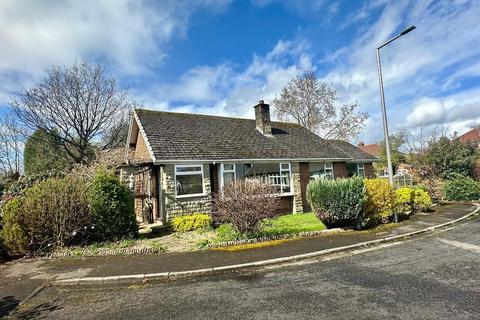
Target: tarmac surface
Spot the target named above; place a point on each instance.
(429, 277)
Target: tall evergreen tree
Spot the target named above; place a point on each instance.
(44, 152)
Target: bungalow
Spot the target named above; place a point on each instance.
(183, 159)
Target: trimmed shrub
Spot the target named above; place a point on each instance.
(462, 189)
(404, 199)
(337, 202)
(421, 200)
(52, 213)
(191, 222)
(380, 199)
(111, 206)
(245, 203)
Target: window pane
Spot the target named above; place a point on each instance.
(189, 184)
(228, 166)
(189, 169)
(328, 165)
(352, 169)
(228, 178)
(361, 173)
(285, 166)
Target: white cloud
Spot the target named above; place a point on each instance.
(225, 90)
(416, 67)
(127, 35)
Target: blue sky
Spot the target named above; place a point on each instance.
(221, 57)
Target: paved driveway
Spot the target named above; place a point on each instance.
(433, 277)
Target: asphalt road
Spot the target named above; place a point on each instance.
(433, 277)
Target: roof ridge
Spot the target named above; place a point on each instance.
(208, 115)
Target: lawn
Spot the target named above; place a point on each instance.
(292, 223)
(285, 224)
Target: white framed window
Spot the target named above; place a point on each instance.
(285, 184)
(189, 181)
(361, 170)
(228, 173)
(321, 170)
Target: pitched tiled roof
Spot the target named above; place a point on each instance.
(373, 149)
(472, 136)
(351, 150)
(181, 136)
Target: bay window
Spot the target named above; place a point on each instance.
(275, 174)
(189, 180)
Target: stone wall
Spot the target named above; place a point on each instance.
(297, 188)
(183, 206)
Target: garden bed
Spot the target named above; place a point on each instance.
(284, 227)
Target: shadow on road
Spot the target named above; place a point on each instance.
(9, 306)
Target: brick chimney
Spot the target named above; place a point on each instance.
(262, 118)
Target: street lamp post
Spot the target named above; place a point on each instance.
(384, 110)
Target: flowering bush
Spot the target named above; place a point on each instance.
(404, 201)
(380, 199)
(421, 200)
(191, 222)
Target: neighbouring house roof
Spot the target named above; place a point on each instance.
(173, 137)
(373, 149)
(352, 151)
(472, 136)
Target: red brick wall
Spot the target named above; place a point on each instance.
(368, 170)
(304, 180)
(286, 205)
(340, 170)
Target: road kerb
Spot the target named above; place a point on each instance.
(206, 271)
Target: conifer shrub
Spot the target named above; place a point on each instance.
(337, 202)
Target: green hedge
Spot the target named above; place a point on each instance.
(111, 206)
(462, 189)
(337, 202)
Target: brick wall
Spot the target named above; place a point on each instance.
(368, 170)
(285, 205)
(340, 170)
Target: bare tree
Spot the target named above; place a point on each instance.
(80, 105)
(11, 147)
(314, 105)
